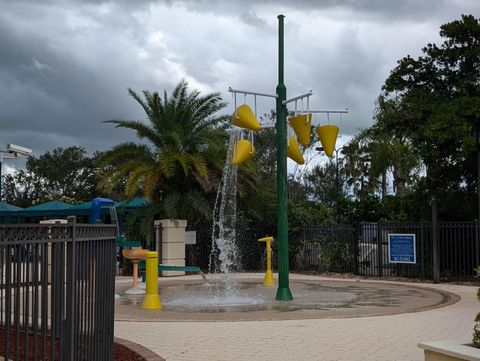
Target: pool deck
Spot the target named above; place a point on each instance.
(390, 337)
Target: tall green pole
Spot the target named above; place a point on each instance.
(283, 292)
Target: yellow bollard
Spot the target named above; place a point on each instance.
(151, 301)
(268, 280)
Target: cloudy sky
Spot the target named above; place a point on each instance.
(65, 65)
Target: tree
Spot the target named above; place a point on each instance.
(63, 173)
(437, 101)
(181, 155)
(322, 183)
(356, 168)
(386, 153)
(23, 189)
(256, 187)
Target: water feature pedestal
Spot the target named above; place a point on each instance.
(171, 244)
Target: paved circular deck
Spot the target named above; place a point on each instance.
(379, 338)
(313, 299)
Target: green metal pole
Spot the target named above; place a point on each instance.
(283, 292)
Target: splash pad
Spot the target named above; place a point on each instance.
(231, 296)
(190, 299)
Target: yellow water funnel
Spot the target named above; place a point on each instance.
(243, 117)
(328, 138)
(294, 152)
(301, 126)
(243, 151)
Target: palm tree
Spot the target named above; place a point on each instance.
(181, 155)
(356, 168)
(405, 161)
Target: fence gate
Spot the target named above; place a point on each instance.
(373, 253)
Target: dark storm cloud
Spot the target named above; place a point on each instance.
(385, 10)
(65, 65)
(48, 96)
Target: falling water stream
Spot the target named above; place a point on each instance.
(223, 257)
(222, 290)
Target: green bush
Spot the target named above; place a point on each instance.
(476, 327)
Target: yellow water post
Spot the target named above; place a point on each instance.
(151, 301)
(268, 280)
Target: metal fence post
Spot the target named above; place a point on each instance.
(71, 296)
(477, 245)
(422, 251)
(356, 233)
(435, 253)
(379, 251)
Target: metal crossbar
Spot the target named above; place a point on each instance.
(249, 92)
(306, 95)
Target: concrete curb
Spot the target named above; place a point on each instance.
(141, 350)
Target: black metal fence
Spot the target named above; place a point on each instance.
(363, 249)
(251, 255)
(459, 249)
(325, 249)
(372, 250)
(57, 287)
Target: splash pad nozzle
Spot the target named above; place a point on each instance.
(268, 280)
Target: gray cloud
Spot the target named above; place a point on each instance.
(381, 10)
(65, 65)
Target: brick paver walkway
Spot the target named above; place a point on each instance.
(366, 338)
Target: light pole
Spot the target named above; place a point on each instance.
(12, 151)
(320, 149)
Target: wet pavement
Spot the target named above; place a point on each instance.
(332, 337)
(193, 300)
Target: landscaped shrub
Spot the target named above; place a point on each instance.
(476, 327)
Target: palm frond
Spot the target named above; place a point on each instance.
(183, 156)
(142, 130)
(170, 204)
(140, 101)
(197, 201)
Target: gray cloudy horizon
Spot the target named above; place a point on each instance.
(65, 66)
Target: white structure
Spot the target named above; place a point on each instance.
(170, 244)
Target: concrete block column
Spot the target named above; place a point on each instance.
(171, 244)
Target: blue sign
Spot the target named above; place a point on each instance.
(401, 248)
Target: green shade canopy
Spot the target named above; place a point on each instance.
(61, 209)
(132, 203)
(49, 206)
(5, 207)
(82, 206)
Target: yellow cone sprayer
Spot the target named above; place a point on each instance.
(268, 280)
